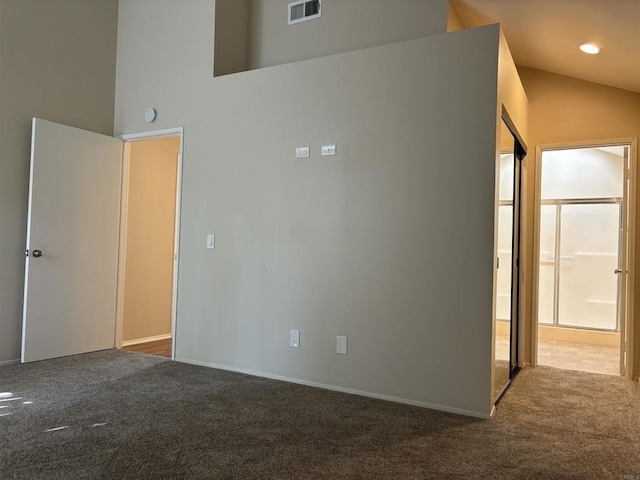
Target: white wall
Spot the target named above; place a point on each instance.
(345, 25)
(255, 32)
(390, 242)
(150, 233)
(57, 62)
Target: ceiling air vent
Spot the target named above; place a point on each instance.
(304, 10)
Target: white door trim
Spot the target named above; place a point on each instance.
(627, 329)
(132, 137)
(28, 247)
(138, 341)
(631, 260)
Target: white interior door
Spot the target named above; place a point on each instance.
(72, 242)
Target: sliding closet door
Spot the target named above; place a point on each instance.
(508, 261)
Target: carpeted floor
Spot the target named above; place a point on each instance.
(501, 376)
(134, 416)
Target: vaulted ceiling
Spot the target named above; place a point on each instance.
(546, 34)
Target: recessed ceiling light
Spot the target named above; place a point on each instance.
(590, 48)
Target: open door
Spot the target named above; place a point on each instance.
(72, 242)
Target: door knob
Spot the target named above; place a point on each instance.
(36, 253)
(617, 270)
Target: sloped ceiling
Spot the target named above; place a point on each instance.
(546, 34)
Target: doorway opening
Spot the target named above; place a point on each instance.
(147, 277)
(583, 262)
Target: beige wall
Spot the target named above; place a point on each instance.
(513, 102)
(356, 244)
(151, 203)
(57, 62)
(345, 25)
(231, 36)
(454, 20)
(565, 109)
(513, 105)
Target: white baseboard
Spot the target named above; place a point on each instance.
(389, 398)
(9, 362)
(155, 338)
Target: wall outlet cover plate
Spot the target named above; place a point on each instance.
(294, 338)
(328, 150)
(302, 152)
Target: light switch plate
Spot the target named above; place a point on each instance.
(302, 152)
(211, 241)
(328, 150)
(341, 345)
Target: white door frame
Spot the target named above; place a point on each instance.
(132, 137)
(628, 253)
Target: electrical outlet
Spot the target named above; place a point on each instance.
(294, 338)
(341, 345)
(327, 150)
(302, 152)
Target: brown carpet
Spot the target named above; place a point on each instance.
(135, 416)
(501, 376)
